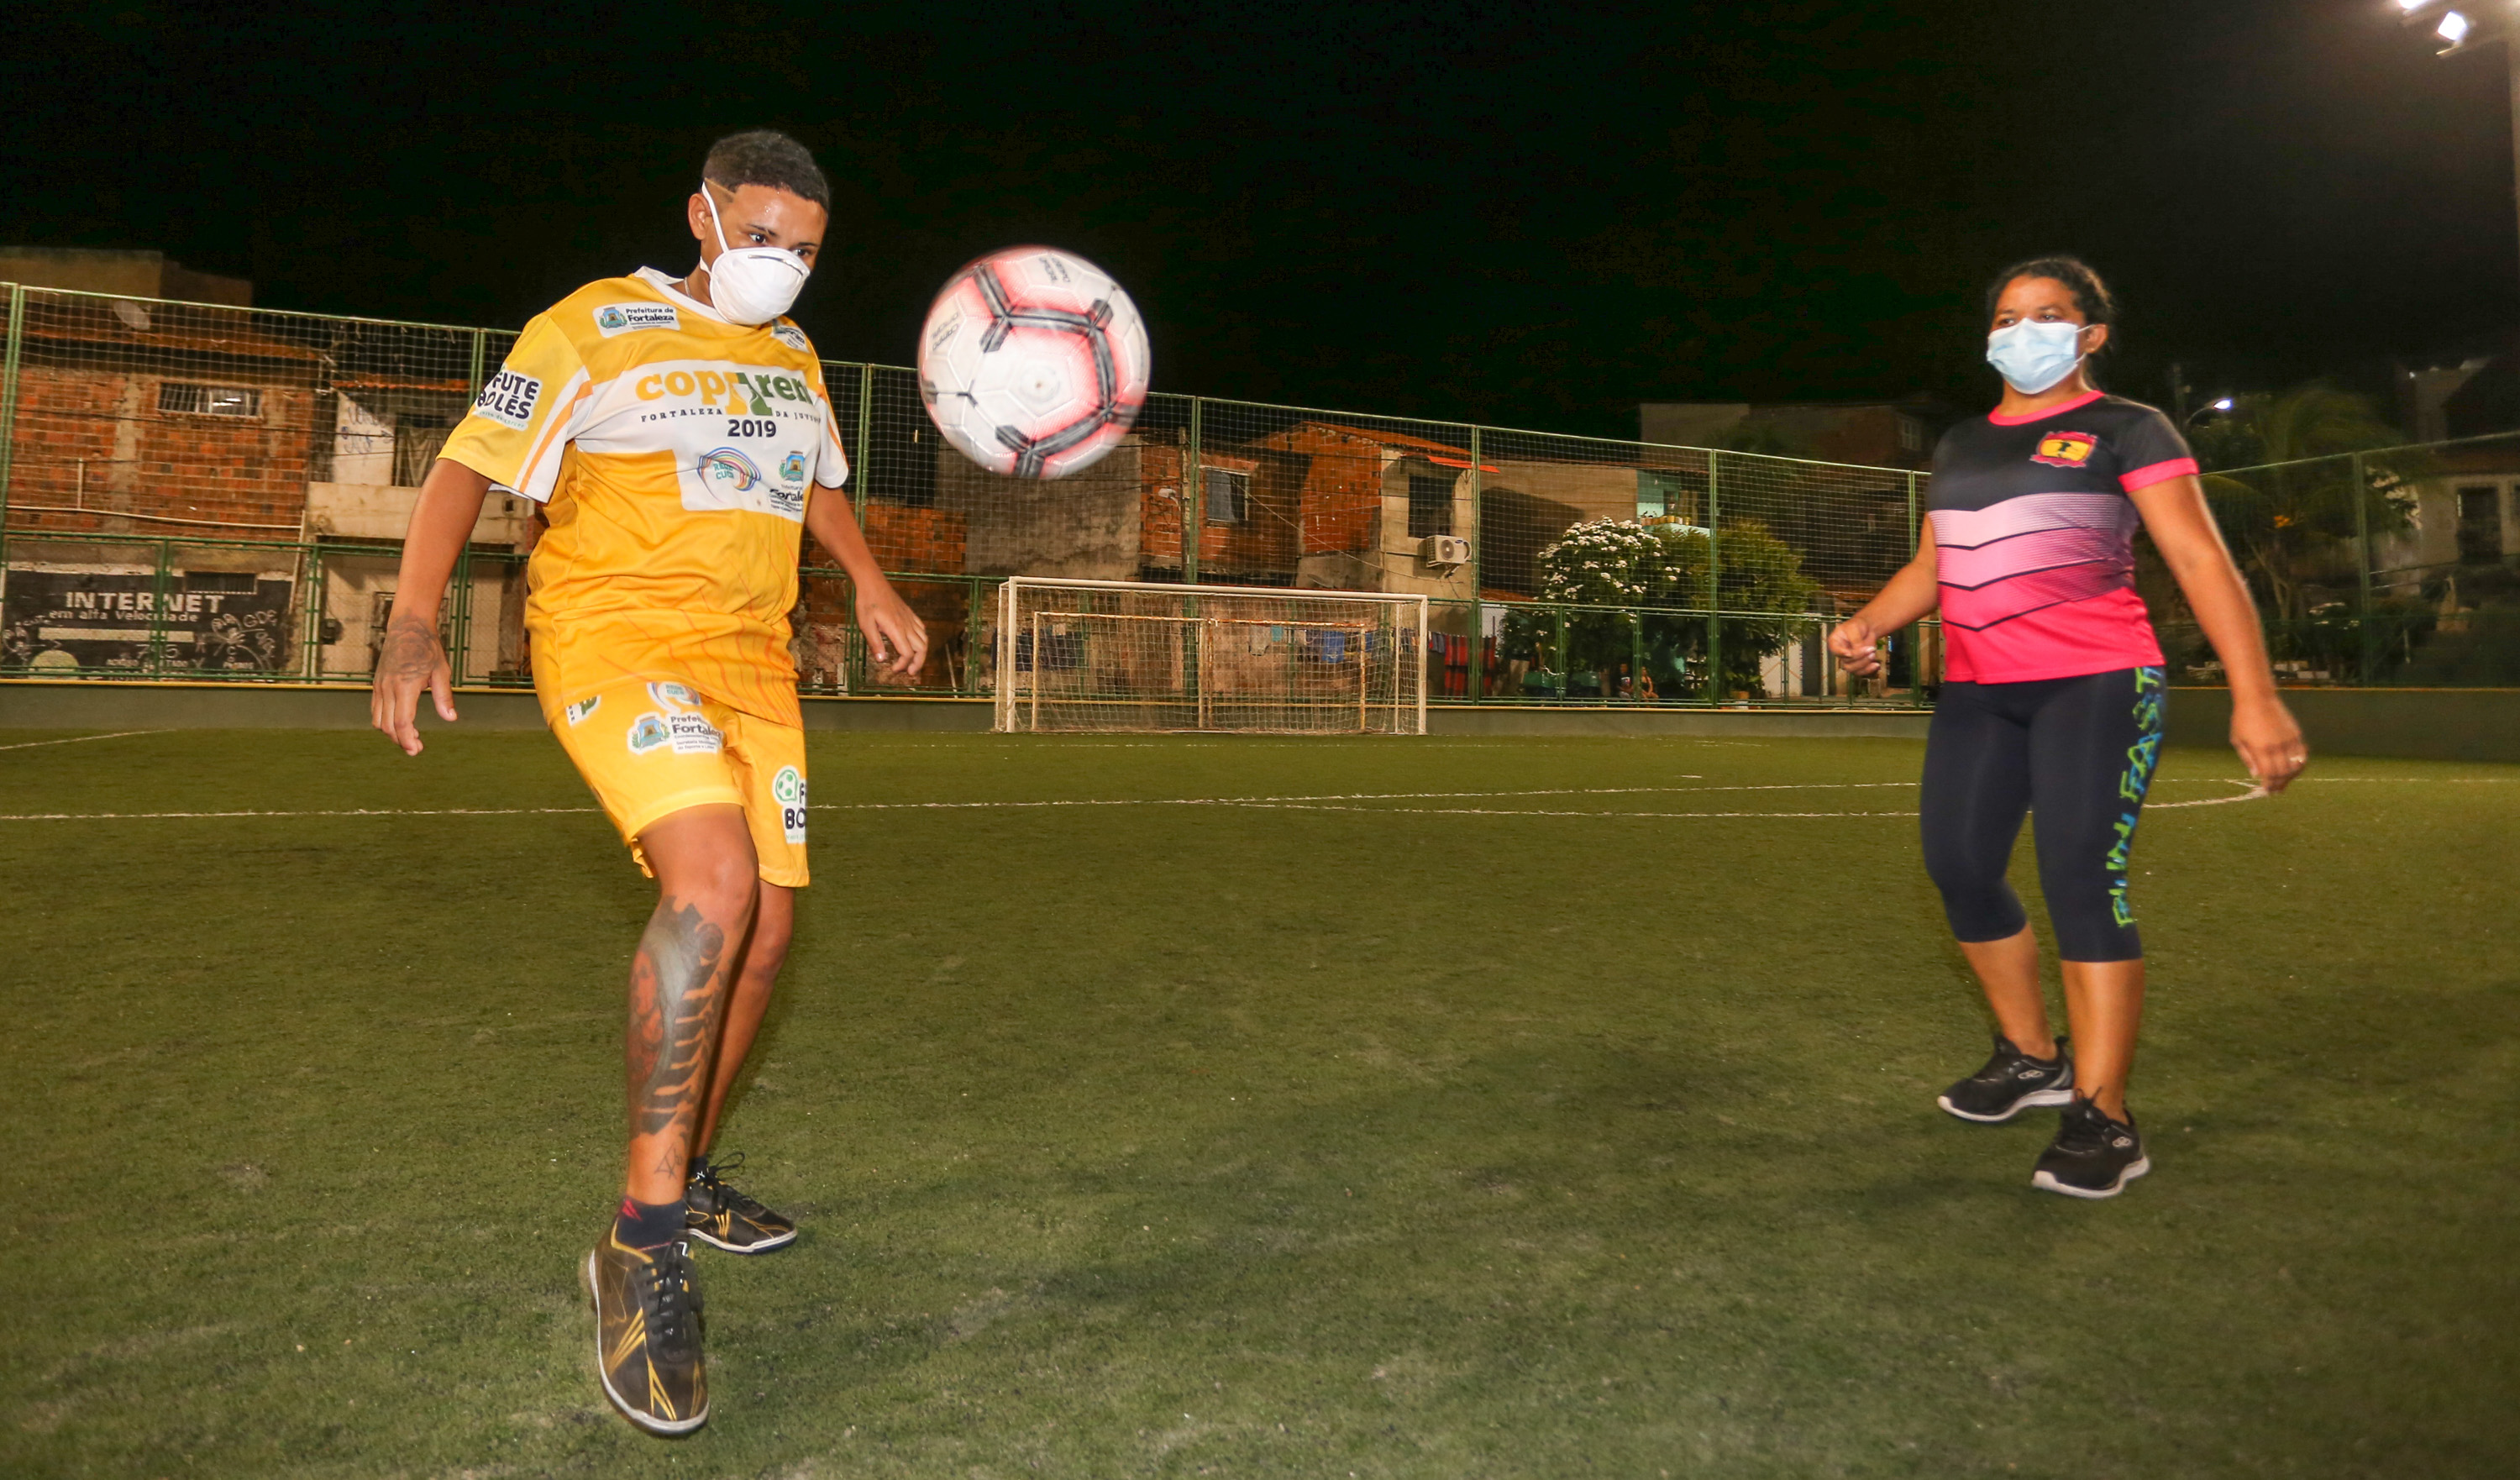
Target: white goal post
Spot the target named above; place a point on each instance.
(1150, 656)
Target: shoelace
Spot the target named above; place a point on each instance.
(671, 1299)
(708, 1171)
(2084, 1130)
(712, 1176)
(1999, 1069)
(2003, 1067)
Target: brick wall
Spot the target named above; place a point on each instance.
(92, 436)
(917, 539)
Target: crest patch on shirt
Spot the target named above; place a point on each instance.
(623, 318)
(2065, 449)
(790, 336)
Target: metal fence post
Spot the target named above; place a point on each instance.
(1194, 496)
(481, 343)
(157, 609)
(864, 453)
(313, 555)
(9, 390)
(1636, 653)
(1474, 676)
(1915, 629)
(1561, 659)
(1714, 580)
(970, 636)
(459, 615)
(2371, 664)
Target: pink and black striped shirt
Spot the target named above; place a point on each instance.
(2034, 539)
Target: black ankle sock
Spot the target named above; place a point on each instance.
(646, 1225)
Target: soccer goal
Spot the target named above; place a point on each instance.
(1144, 656)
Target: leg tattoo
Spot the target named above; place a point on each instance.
(677, 991)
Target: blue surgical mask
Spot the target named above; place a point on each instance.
(2034, 354)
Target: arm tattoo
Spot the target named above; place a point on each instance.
(410, 649)
(676, 992)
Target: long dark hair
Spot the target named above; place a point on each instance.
(2090, 295)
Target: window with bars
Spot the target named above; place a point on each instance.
(185, 398)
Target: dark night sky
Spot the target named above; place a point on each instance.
(1533, 215)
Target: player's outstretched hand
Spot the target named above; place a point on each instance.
(897, 639)
(411, 660)
(2269, 739)
(1856, 645)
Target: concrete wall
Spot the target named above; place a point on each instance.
(2428, 724)
(1737, 724)
(2410, 724)
(383, 512)
(1085, 527)
(1395, 549)
(36, 705)
(1532, 504)
(135, 274)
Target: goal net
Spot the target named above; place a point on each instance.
(1077, 654)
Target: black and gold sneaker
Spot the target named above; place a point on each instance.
(2010, 1083)
(647, 1334)
(2092, 1156)
(717, 1214)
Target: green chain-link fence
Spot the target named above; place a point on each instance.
(206, 492)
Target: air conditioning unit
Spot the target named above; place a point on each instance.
(1444, 550)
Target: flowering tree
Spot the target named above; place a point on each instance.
(1663, 567)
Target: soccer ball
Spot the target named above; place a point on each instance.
(1033, 362)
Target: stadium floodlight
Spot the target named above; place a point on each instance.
(2223, 404)
(2462, 33)
(2457, 29)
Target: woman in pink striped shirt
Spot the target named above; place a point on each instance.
(2052, 701)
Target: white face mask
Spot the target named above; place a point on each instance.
(751, 284)
(2034, 355)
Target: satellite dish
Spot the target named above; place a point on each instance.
(131, 314)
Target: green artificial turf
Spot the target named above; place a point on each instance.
(1133, 1140)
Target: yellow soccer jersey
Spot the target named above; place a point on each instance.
(674, 452)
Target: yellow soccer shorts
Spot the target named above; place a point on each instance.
(648, 748)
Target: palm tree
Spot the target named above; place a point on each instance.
(2282, 483)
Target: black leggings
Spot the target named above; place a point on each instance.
(2078, 751)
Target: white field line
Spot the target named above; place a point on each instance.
(1329, 802)
(135, 817)
(2250, 794)
(2429, 781)
(76, 739)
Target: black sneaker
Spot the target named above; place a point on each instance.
(647, 1334)
(2092, 1156)
(2010, 1083)
(717, 1214)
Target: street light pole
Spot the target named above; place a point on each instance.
(2511, 61)
(2222, 403)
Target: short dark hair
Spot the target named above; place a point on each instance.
(766, 156)
(2090, 295)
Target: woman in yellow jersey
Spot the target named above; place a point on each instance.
(679, 437)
